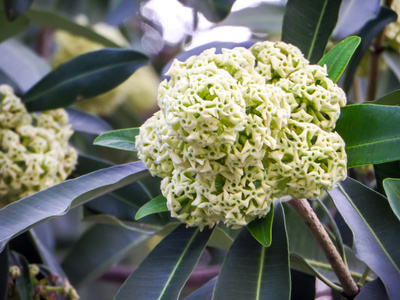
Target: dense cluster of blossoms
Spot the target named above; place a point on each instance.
(392, 30)
(239, 130)
(138, 89)
(34, 150)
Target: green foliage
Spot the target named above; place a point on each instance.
(213, 10)
(261, 229)
(392, 189)
(155, 205)
(123, 139)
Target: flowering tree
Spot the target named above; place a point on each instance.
(268, 168)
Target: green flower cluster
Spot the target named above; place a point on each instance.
(34, 150)
(239, 130)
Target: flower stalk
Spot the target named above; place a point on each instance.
(307, 214)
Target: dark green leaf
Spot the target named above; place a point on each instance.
(373, 290)
(353, 15)
(204, 292)
(164, 272)
(310, 25)
(9, 29)
(339, 56)
(57, 200)
(97, 249)
(4, 273)
(21, 64)
(213, 10)
(23, 283)
(123, 139)
(83, 77)
(52, 19)
(386, 170)
(156, 205)
(392, 189)
(392, 60)
(263, 18)
(252, 271)
(392, 98)
(375, 229)
(371, 133)
(85, 122)
(367, 33)
(261, 229)
(303, 286)
(14, 8)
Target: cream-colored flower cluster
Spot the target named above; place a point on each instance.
(34, 150)
(138, 89)
(241, 129)
(392, 30)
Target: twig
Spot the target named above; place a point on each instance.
(307, 214)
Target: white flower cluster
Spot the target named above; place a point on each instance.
(392, 30)
(34, 150)
(241, 129)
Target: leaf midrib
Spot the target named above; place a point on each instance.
(316, 30)
(372, 143)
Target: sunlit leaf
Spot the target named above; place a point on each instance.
(392, 189)
(213, 10)
(57, 200)
(123, 139)
(250, 270)
(164, 272)
(55, 20)
(156, 205)
(371, 133)
(261, 229)
(310, 25)
(83, 77)
(339, 56)
(375, 229)
(94, 252)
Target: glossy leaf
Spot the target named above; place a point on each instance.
(375, 229)
(339, 56)
(97, 249)
(367, 33)
(213, 10)
(392, 189)
(4, 273)
(372, 291)
(250, 271)
(204, 292)
(123, 139)
(14, 8)
(57, 200)
(9, 29)
(353, 15)
(83, 77)
(371, 133)
(21, 64)
(309, 26)
(261, 229)
(166, 269)
(85, 122)
(53, 19)
(392, 98)
(265, 18)
(156, 205)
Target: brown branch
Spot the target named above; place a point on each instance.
(307, 214)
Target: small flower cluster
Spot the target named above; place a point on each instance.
(239, 130)
(392, 30)
(138, 89)
(34, 150)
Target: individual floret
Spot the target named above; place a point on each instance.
(34, 150)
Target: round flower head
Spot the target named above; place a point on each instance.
(70, 46)
(34, 150)
(392, 30)
(242, 129)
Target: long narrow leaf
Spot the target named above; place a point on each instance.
(371, 133)
(155, 205)
(204, 292)
(94, 253)
(9, 29)
(83, 77)
(85, 122)
(392, 189)
(251, 271)
(57, 200)
(53, 19)
(375, 229)
(392, 98)
(372, 291)
(339, 56)
(308, 25)
(166, 269)
(123, 139)
(261, 229)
